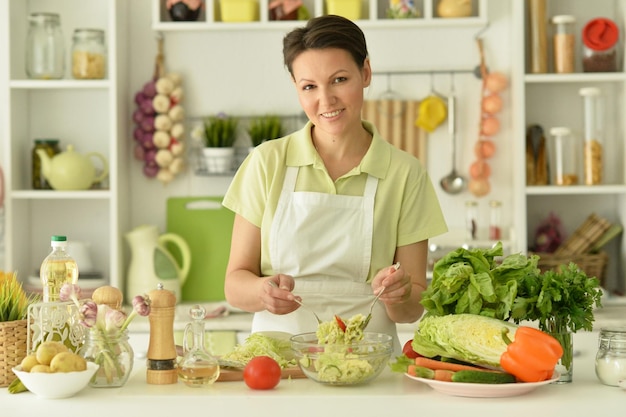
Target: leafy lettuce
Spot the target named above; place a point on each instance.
(473, 281)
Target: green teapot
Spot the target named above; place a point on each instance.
(71, 170)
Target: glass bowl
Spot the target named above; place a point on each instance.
(342, 364)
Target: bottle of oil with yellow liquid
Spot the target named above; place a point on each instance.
(53, 319)
(57, 268)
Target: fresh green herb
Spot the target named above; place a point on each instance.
(562, 303)
(220, 131)
(265, 128)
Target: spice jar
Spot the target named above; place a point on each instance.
(600, 38)
(611, 355)
(565, 171)
(51, 146)
(592, 150)
(45, 51)
(471, 219)
(88, 54)
(563, 41)
(495, 220)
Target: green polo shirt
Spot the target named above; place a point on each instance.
(406, 208)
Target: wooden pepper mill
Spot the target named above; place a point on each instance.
(161, 362)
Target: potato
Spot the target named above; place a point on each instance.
(28, 362)
(67, 362)
(47, 350)
(44, 369)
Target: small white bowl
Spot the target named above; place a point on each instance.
(58, 384)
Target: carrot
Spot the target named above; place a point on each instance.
(443, 375)
(435, 364)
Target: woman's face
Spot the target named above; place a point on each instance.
(330, 89)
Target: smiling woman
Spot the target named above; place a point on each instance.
(326, 211)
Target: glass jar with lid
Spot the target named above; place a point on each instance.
(611, 355)
(45, 49)
(51, 146)
(600, 45)
(88, 54)
(565, 156)
(563, 41)
(593, 163)
(471, 220)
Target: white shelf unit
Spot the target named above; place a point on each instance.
(373, 16)
(88, 114)
(551, 100)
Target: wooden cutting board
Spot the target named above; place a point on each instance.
(228, 374)
(206, 226)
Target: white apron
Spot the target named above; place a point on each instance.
(330, 269)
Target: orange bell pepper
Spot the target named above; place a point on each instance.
(532, 356)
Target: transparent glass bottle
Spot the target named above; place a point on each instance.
(88, 54)
(593, 150)
(565, 156)
(611, 356)
(197, 368)
(471, 219)
(495, 220)
(563, 42)
(57, 268)
(45, 50)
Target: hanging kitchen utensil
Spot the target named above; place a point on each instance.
(453, 183)
(432, 110)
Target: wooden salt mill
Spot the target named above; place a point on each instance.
(161, 361)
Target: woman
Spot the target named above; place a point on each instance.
(325, 212)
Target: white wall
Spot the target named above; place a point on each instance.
(242, 73)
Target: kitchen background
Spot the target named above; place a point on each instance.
(238, 70)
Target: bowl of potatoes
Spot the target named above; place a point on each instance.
(53, 371)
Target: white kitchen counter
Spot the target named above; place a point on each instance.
(390, 394)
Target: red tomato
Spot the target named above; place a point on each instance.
(262, 372)
(408, 351)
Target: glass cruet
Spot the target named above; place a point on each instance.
(197, 368)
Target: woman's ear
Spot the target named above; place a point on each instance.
(367, 73)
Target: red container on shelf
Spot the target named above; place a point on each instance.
(600, 38)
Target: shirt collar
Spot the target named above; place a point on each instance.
(376, 161)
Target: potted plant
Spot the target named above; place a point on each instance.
(14, 304)
(265, 128)
(220, 133)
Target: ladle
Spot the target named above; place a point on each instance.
(453, 183)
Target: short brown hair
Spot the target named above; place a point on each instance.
(329, 31)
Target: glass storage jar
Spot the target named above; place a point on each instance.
(600, 45)
(45, 50)
(563, 42)
(471, 220)
(88, 54)
(112, 351)
(565, 156)
(611, 355)
(593, 163)
(495, 220)
(51, 146)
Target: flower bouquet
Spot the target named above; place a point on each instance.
(106, 342)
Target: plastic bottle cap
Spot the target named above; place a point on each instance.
(589, 91)
(58, 238)
(560, 131)
(563, 18)
(600, 34)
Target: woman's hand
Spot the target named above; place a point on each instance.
(276, 294)
(397, 284)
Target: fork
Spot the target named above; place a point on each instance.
(396, 266)
(273, 284)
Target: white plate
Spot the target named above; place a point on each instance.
(463, 389)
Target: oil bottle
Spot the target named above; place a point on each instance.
(197, 368)
(57, 268)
